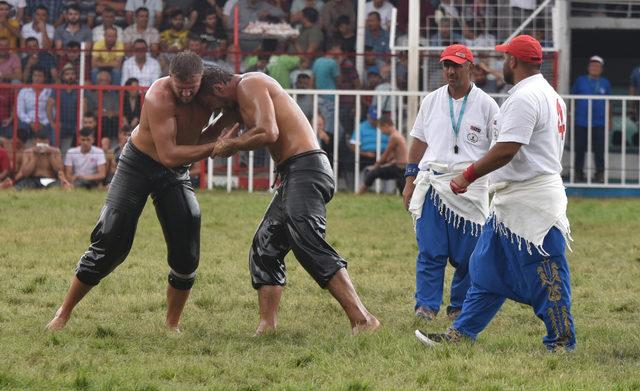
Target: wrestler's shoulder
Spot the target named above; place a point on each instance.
(159, 93)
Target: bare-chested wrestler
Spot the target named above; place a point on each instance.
(296, 218)
(155, 162)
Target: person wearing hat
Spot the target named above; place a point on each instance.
(368, 139)
(452, 129)
(590, 84)
(520, 254)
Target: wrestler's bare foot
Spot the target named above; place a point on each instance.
(265, 328)
(58, 322)
(371, 325)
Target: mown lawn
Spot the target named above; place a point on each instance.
(116, 339)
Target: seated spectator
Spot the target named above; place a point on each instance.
(9, 27)
(257, 63)
(117, 6)
(67, 99)
(39, 29)
(348, 80)
(108, 54)
(154, 9)
(305, 101)
(123, 136)
(217, 57)
(6, 112)
(41, 167)
(132, 104)
(72, 30)
(108, 20)
(368, 139)
(90, 121)
(16, 9)
(72, 56)
(445, 36)
(85, 165)
(376, 37)
(480, 79)
(303, 68)
(15, 149)
(26, 106)
(345, 36)
(109, 117)
(212, 32)
(141, 66)
(35, 58)
(448, 10)
(5, 163)
(474, 37)
(10, 67)
(332, 10)
(311, 38)
(295, 11)
(55, 9)
(384, 8)
(173, 40)
(141, 29)
(87, 10)
(189, 10)
(391, 164)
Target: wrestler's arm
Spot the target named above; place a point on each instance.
(499, 155)
(213, 131)
(388, 152)
(160, 115)
(254, 98)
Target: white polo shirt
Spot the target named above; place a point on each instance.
(433, 126)
(533, 115)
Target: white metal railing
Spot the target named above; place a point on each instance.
(621, 159)
(606, 8)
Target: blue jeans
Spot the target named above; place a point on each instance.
(500, 271)
(439, 242)
(597, 146)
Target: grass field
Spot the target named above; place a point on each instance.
(116, 339)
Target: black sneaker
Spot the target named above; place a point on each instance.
(452, 313)
(579, 177)
(432, 340)
(598, 177)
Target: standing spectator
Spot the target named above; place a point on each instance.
(10, 67)
(448, 10)
(9, 27)
(305, 101)
(520, 254)
(325, 75)
(426, 13)
(376, 37)
(345, 36)
(311, 39)
(109, 117)
(141, 30)
(39, 29)
(72, 56)
(73, 30)
(634, 86)
(68, 98)
(393, 161)
(482, 13)
(132, 105)
(154, 7)
(211, 31)
(445, 36)
(253, 11)
(303, 68)
(141, 66)
(332, 10)
(29, 119)
(16, 9)
(295, 11)
(42, 166)
(108, 54)
(452, 128)
(6, 112)
(85, 166)
(174, 39)
(590, 84)
(348, 80)
(384, 8)
(108, 20)
(188, 8)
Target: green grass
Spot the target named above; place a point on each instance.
(116, 340)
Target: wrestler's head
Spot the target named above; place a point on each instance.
(216, 87)
(185, 71)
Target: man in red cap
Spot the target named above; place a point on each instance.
(452, 130)
(520, 254)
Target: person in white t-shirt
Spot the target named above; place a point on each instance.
(85, 166)
(39, 28)
(451, 130)
(521, 252)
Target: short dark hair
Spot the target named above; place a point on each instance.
(176, 12)
(214, 74)
(311, 14)
(125, 129)
(43, 134)
(343, 19)
(38, 68)
(89, 114)
(73, 44)
(41, 7)
(30, 39)
(73, 6)
(86, 132)
(141, 9)
(385, 120)
(140, 40)
(185, 65)
(376, 14)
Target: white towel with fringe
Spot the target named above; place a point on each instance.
(471, 206)
(527, 210)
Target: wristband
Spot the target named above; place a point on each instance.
(411, 170)
(470, 174)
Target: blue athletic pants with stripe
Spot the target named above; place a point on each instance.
(500, 271)
(439, 242)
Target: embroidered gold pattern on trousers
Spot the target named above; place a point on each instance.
(550, 280)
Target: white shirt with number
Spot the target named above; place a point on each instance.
(533, 115)
(433, 126)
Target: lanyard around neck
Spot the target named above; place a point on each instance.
(456, 124)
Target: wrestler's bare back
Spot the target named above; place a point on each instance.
(188, 119)
(295, 134)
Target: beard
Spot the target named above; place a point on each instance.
(507, 73)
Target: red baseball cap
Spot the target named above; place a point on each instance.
(523, 47)
(456, 53)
